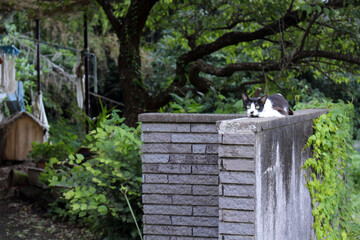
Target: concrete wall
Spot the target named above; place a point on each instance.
(210, 176)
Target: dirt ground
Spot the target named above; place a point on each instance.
(20, 219)
(23, 219)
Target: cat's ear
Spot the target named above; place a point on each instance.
(263, 99)
(244, 97)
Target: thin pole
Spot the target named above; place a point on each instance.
(86, 63)
(38, 55)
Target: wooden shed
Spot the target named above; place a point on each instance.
(16, 135)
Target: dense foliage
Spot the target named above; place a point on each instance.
(327, 176)
(102, 191)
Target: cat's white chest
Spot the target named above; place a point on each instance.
(268, 111)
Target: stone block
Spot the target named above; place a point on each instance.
(156, 137)
(194, 179)
(229, 237)
(238, 216)
(167, 230)
(166, 189)
(165, 127)
(158, 219)
(205, 169)
(239, 190)
(237, 177)
(244, 229)
(156, 237)
(167, 210)
(236, 151)
(206, 211)
(156, 199)
(195, 221)
(233, 203)
(205, 232)
(193, 159)
(194, 138)
(155, 158)
(238, 165)
(165, 148)
(155, 178)
(239, 139)
(205, 148)
(166, 168)
(199, 148)
(205, 128)
(205, 190)
(195, 200)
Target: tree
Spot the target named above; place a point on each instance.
(247, 41)
(275, 37)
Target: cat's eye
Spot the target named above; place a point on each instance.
(257, 107)
(248, 106)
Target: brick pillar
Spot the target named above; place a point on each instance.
(180, 176)
(237, 185)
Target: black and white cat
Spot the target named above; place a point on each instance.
(267, 106)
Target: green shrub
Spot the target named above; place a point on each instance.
(328, 180)
(98, 191)
(45, 151)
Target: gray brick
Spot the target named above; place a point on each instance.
(193, 159)
(155, 158)
(239, 139)
(194, 138)
(237, 228)
(238, 216)
(206, 211)
(195, 200)
(238, 165)
(166, 188)
(156, 137)
(236, 151)
(158, 219)
(199, 148)
(205, 190)
(167, 210)
(205, 169)
(205, 232)
(236, 203)
(192, 238)
(239, 190)
(212, 149)
(165, 168)
(194, 179)
(165, 148)
(195, 221)
(155, 178)
(237, 238)
(156, 198)
(168, 230)
(156, 237)
(237, 177)
(165, 127)
(210, 128)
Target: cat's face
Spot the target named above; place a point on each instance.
(253, 106)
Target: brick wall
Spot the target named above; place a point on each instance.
(208, 177)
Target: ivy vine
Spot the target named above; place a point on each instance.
(326, 177)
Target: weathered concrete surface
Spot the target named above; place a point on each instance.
(282, 205)
(214, 176)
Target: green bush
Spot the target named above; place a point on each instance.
(103, 192)
(330, 177)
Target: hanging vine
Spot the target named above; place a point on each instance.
(326, 179)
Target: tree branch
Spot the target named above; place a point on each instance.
(115, 22)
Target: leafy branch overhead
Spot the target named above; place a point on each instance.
(196, 43)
